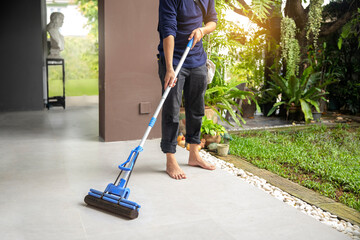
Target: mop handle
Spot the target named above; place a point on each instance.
(128, 165)
(166, 93)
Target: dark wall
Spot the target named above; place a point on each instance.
(128, 42)
(21, 55)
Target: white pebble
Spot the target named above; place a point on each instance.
(308, 208)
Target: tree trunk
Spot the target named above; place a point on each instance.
(271, 52)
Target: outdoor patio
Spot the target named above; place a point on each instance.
(50, 159)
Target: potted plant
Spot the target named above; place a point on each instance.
(299, 95)
(211, 131)
(316, 115)
(223, 146)
(222, 98)
(223, 149)
(268, 95)
(247, 107)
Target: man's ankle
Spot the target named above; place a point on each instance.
(194, 147)
(170, 157)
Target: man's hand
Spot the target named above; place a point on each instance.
(197, 34)
(168, 80)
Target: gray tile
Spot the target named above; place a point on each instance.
(276, 223)
(50, 159)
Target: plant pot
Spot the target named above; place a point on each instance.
(316, 116)
(282, 111)
(211, 139)
(248, 110)
(223, 149)
(295, 114)
(323, 105)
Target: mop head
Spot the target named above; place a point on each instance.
(112, 203)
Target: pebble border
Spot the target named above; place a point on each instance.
(262, 128)
(325, 217)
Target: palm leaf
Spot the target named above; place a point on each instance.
(256, 103)
(231, 112)
(220, 115)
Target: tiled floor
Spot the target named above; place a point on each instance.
(50, 159)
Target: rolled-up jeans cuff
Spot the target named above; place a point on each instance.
(168, 147)
(192, 140)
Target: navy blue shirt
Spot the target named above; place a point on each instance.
(179, 18)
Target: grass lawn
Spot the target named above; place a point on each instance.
(324, 159)
(78, 87)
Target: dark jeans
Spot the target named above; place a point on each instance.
(193, 82)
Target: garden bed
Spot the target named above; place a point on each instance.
(324, 159)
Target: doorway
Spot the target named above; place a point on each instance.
(80, 53)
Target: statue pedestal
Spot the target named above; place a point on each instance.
(54, 54)
(55, 101)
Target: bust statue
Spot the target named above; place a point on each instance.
(56, 39)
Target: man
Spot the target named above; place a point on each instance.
(179, 22)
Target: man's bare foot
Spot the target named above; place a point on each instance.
(196, 160)
(173, 168)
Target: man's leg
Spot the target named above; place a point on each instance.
(194, 91)
(170, 124)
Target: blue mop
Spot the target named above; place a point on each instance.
(115, 197)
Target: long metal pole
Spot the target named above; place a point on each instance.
(157, 111)
(166, 93)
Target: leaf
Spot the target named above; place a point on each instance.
(220, 116)
(314, 103)
(306, 75)
(280, 81)
(310, 92)
(340, 41)
(274, 108)
(306, 109)
(313, 79)
(346, 30)
(207, 130)
(261, 8)
(292, 100)
(231, 112)
(298, 95)
(293, 85)
(256, 103)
